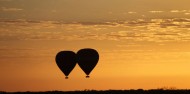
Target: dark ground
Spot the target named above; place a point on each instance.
(139, 91)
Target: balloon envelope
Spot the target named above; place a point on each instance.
(87, 59)
(66, 61)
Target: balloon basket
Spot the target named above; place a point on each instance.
(66, 77)
(87, 76)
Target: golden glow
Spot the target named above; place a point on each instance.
(138, 47)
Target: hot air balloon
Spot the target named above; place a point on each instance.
(66, 61)
(87, 59)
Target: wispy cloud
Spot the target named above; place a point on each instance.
(24, 52)
(187, 13)
(178, 11)
(156, 11)
(157, 30)
(5, 0)
(5, 9)
(132, 12)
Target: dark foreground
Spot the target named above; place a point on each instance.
(139, 91)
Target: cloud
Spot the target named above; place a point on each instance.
(24, 52)
(132, 12)
(128, 45)
(166, 34)
(5, 0)
(125, 35)
(181, 20)
(178, 11)
(156, 30)
(16, 49)
(138, 22)
(97, 23)
(156, 11)
(165, 25)
(9, 52)
(10, 9)
(187, 13)
(174, 11)
(176, 22)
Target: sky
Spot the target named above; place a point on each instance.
(142, 43)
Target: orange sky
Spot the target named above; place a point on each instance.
(147, 46)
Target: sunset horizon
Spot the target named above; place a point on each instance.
(142, 44)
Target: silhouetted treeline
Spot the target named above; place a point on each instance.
(139, 91)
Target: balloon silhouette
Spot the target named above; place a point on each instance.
(87, 59)
(66, 61)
